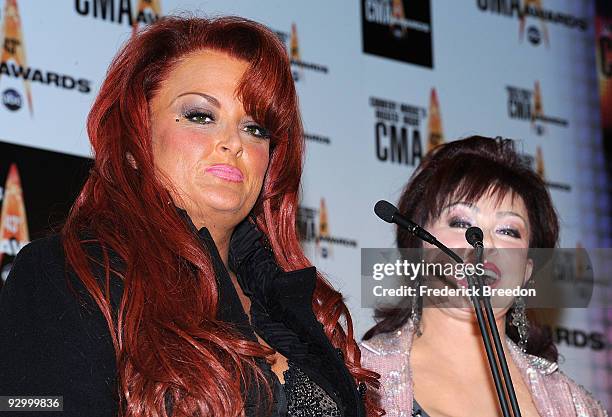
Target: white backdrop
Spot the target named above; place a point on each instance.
(482, 69)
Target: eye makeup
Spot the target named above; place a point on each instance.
(510, 231)
(507, 223)
(459, 222)
(257, 131)
(196, 109)
(198, 115)
(459, 216)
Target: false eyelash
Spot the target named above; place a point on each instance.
(454, 222)
(513, 233)
(188, 114)
(265, 133)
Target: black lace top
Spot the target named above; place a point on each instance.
(305, 398)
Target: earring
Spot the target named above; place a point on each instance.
(519, 320)
(177, 120)
(415, 308)
(130, 158)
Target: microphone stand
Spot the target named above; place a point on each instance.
(486, 338)
(389, 213)
(499, 349)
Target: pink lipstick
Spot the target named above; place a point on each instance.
(226, 172)
(492, 281)
(493, 268)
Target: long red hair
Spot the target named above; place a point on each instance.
(166, 336)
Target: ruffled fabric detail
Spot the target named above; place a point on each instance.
(230, 310)
(277, 297)
(281, 313)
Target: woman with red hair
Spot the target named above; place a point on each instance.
(178, 285)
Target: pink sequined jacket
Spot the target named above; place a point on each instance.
(554, 394)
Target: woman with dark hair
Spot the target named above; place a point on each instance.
(178, 285)
(431, 360)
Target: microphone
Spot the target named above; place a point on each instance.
(474, 237)
(389, 213)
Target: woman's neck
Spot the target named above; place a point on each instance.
(221, 237)
(219, 227)
(455, 340)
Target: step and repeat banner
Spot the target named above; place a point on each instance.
(380, 83)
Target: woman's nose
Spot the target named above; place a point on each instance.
(230, 142)
(489, 239)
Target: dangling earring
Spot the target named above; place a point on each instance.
(415, 308)
(519, 320)
(130, 158)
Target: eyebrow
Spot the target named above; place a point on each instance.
(473, 207)
(511, 213)
(207, 97)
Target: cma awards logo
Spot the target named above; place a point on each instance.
(536, 163)
(391, 13)
(398, 127)
(121, 11)
(13, 220)
(313, 227)
(398, 29)
(527, 105)
(298, 65)
(13, 64)
(533, 18)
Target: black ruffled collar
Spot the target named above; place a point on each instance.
(230, 310)
(281, 313)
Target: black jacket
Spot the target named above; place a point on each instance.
(53, 344)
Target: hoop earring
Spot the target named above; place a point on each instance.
(519, 320)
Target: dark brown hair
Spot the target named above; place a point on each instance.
(466, 170)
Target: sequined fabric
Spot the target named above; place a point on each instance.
(554, 393)
(305, 398)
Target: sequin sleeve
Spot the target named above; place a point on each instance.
(584, 403)
(387, 354)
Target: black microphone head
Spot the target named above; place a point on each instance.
(474, 235)
(385, 210)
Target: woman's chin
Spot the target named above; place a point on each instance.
(460, 312)
(468, 313)
(223, 200)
